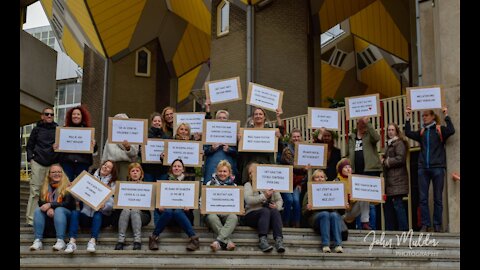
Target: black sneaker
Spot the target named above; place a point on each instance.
(119, 246)
(137, 246)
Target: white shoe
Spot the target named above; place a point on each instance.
(37, 245)
(91, 246)
(326, 249)
(59, 245)
(71, 247)
(338, 249)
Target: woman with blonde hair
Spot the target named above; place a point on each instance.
(55, 206)
(167, 122)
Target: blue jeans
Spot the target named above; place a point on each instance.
(328, 223)
(437, 176)
(291, 200)
(74, 169)
(95, 223)
(395, 210)
(173, 214)
(60, 221)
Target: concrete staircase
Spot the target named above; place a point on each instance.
(303, 251)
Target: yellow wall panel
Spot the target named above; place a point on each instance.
(379, 78)
(331, 79)
(72, 47)
(375, 25)
(333, 12)
(194, 12)
(47, 7)
(185, 83)
(193, 49)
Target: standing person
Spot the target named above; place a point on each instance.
(259, 117)
(167, 122)
(327, 221)
(123, 154)
(88, 217)
(363, 155)
(40, 154)
(175, 217)
(222, 225)
(263, 212)
(431, 162)
(55, 206)
(139, 218)
(216, 152)
(334, 154)
(292, 206)
(152, 171)
(395, 173)
(75, 163)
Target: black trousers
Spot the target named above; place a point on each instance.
(264, 219)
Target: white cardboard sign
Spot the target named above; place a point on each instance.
(276, 177)
(224, 132)
(425, 98)
(264, 97)
(258, 140)
(74, 140)
(221, 91)
(314, 154)
(177, 194)
(361, 106)
(90, 190)
(187, 151)
(134, 195)
(322, 117)
(366, 188)
(132, 130)
(327, 195)
(152, 151)
(195, 120)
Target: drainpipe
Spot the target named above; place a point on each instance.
(419, 49)
(250, 43)
(104, 107)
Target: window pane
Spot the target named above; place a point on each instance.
(69, 94)
(225, 13)
(78, 93)
(61, 117)
(44, 35)
(61, 95)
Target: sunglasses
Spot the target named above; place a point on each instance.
(48, 114)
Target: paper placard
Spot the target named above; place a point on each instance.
(258, 140)
(74, 140)
(224, 132)
(277, 177)
(264, 97)
(188, 151)
(133, 130)
(327, 195)
(90, 190)
(314, 154)
(366, 188)
(134, 195)
(195, 120)
(322, 117)
(177, 194)
(361, 106)
(222, 200)
(152, 151)
(425, 97)
(221, 91)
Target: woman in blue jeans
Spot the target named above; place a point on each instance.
(87, 217)
(328, 222)
(180, 216)
(55, 203)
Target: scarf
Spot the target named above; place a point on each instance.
(430, 125)
(230, 181)
(390, 141)
(52, 194)
(173, 177)
(105, 179)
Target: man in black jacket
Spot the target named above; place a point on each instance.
(431, 163)
(40, 154)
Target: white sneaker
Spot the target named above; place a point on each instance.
(59, 245)
(37, 245)
(338, 249)
(91, 246)
(326, 249)
(71, 247)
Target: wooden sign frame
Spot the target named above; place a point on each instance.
(239, 90)
(203, 208)
(382, 183)
(240, 143)
(347, 107)
(200, 153)
(309, 118)
(442, 96)
(175, 124)
(159, 188)
(310, 194)
(57, 139)
(144, 150)
(204, 132)
(254, 177)
(117, 190)
(78, 196)
(145, 129)
(249, 96)
(325, 154)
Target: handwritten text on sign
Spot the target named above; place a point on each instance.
(362, 106)
(326, 195)
(278, 178)
(326, 118)
(222, 200)
(75, 140)
(264, 97)
(195, 120)
(366, 188)
(427, 98)
(313, 154)
(129, 130)
(90, 190)
(153, 150)
(177, 195)
(221, 132)
(224, 90)
(135, 195)
(188, 152)
(258, 140)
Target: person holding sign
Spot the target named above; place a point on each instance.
(431, 162)
(154, 172)
(183, 133)
(167, 122)
(263, 212)
(139, 218)
(258, 119)
(395, 172)
(175, 217)
(55, 206)
(87, 217)
(363, 155)
(328, 222)
(292, 207)
(123, 154)
(75, 163)
(334, 154)
(216, 152)
(222, 225)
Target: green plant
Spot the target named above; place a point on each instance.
(336, 103)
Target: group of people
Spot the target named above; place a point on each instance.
(50, 204)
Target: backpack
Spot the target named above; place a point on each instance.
(439, 132)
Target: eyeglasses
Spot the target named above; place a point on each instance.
(48, 114)
(56, 172)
